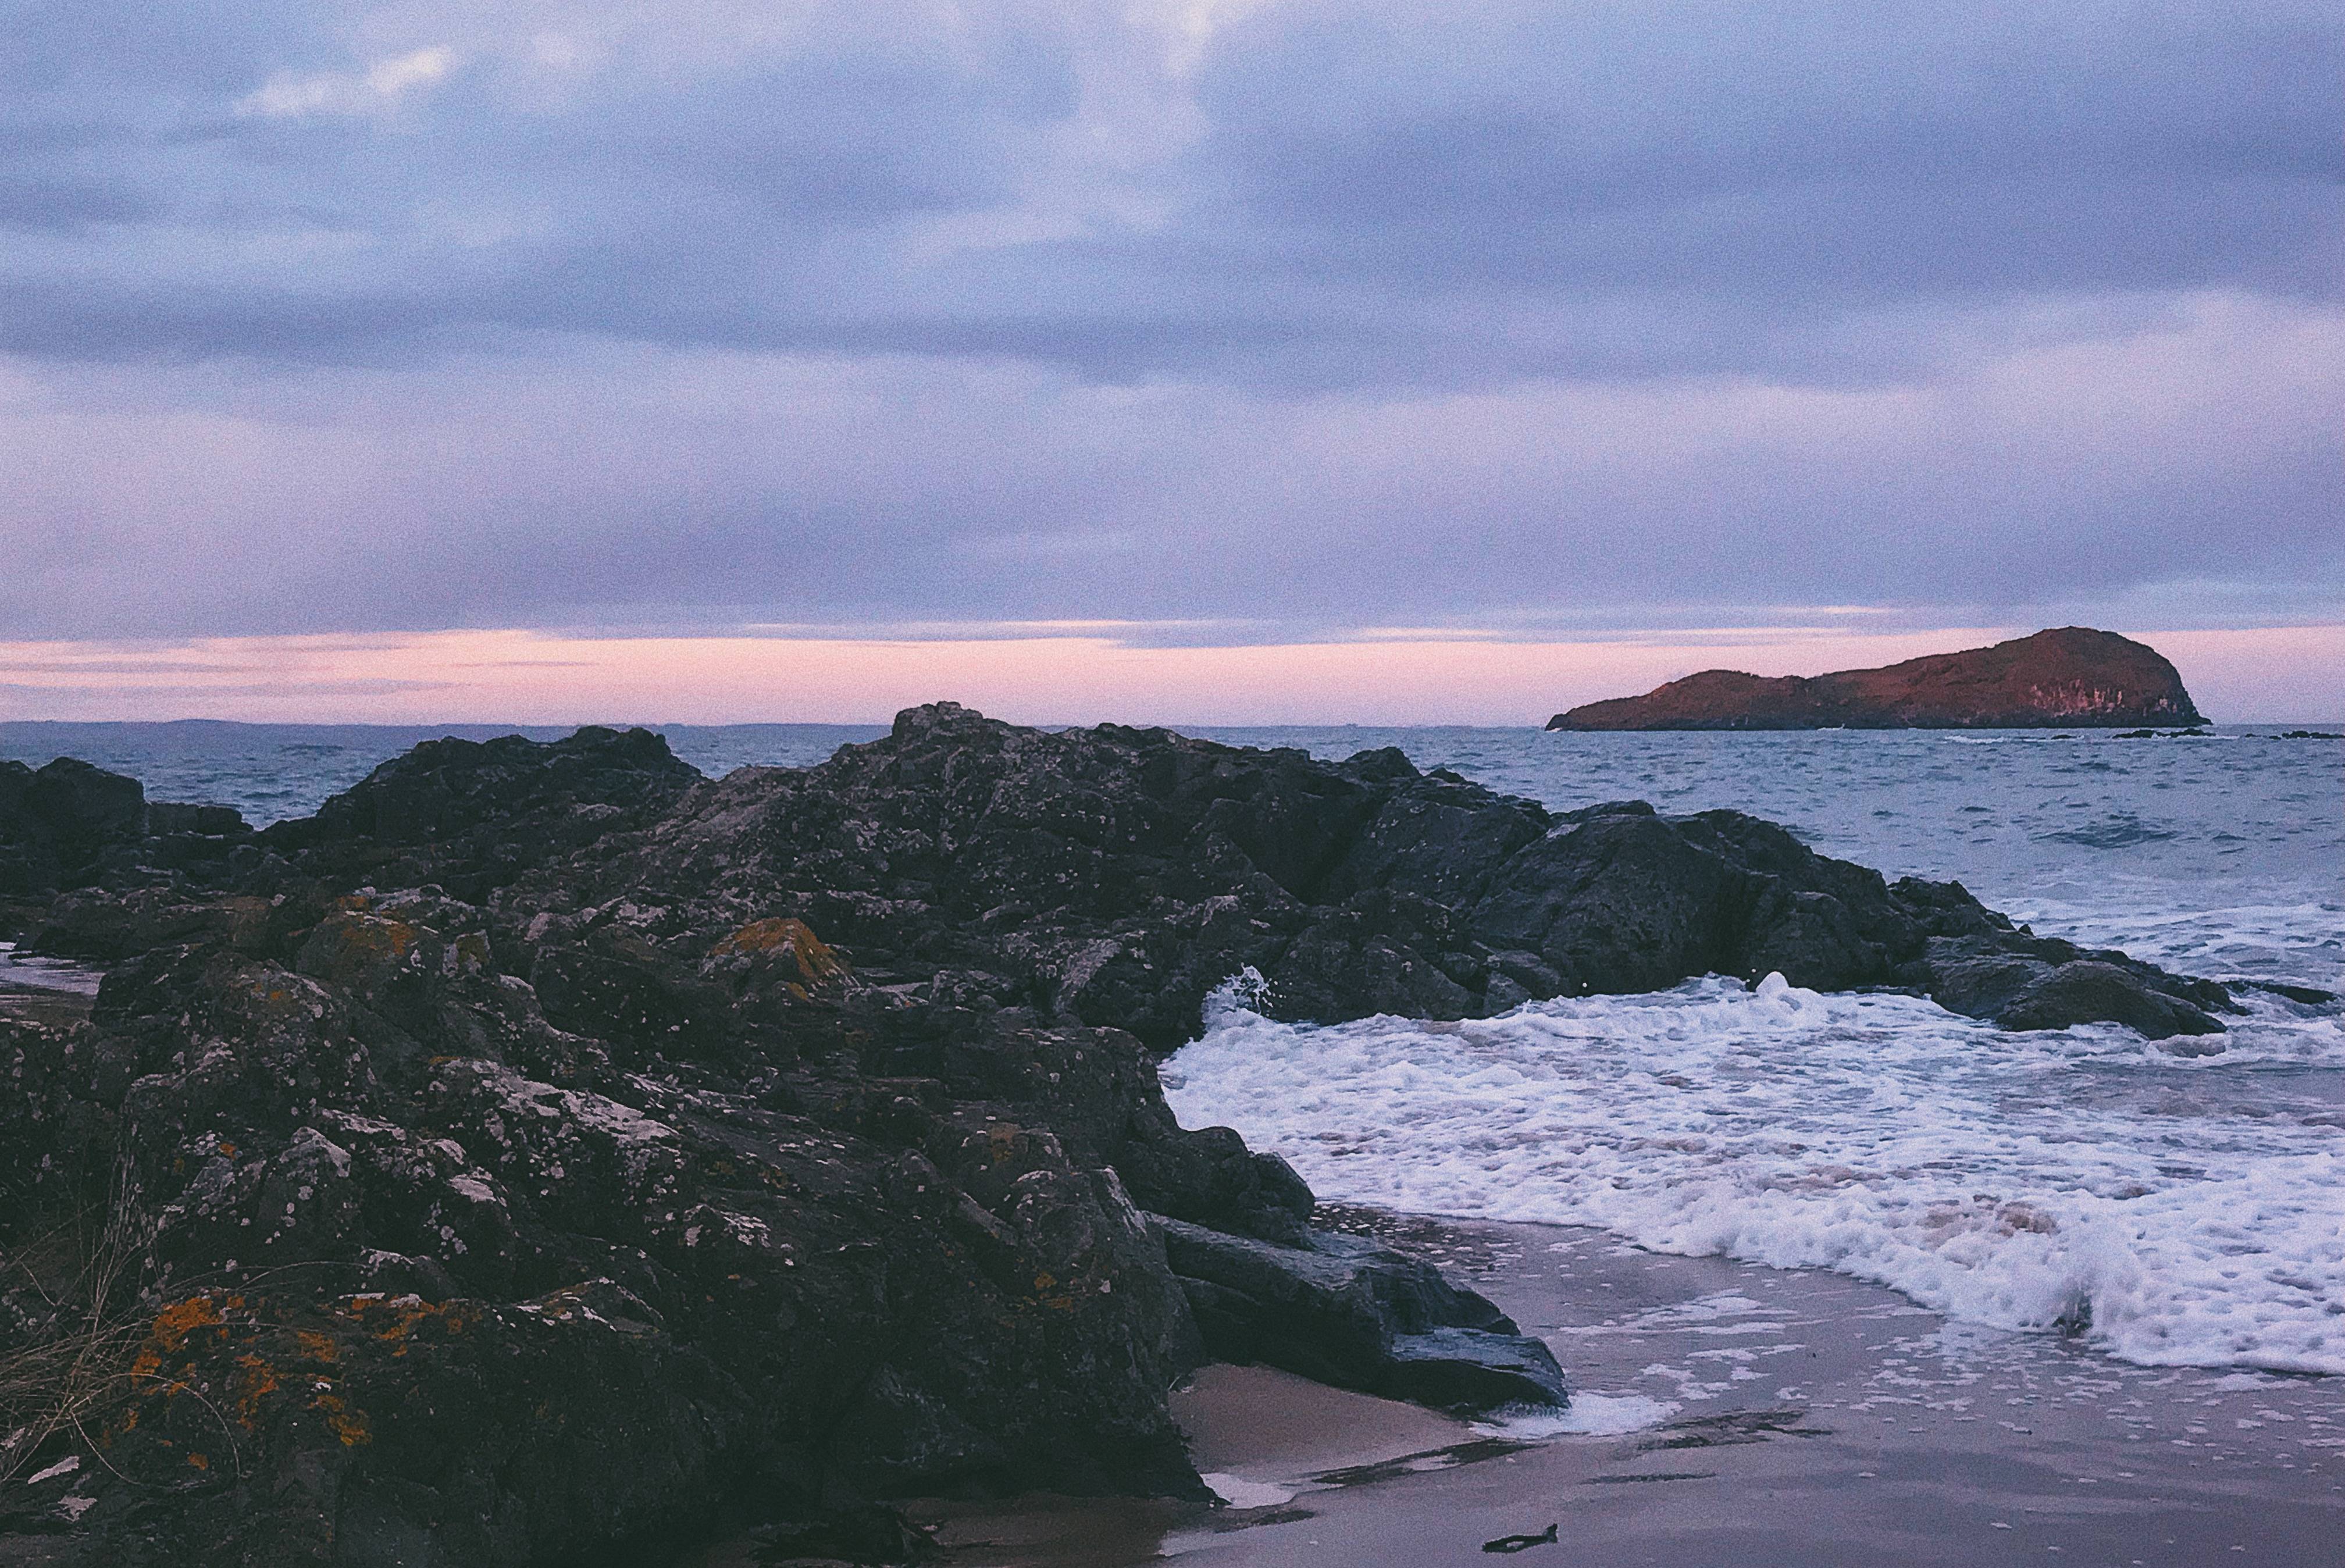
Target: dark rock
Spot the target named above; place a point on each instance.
(1342, 1309)
(868, 1534)
(479, 812)
(60, 823)
(548, 1316)
(1510, 1543)
(2071, 676)
(2083, 991)
(204, 821)
(1115, 877)
(543, 1151)
(2303, 995)
(2034, 982)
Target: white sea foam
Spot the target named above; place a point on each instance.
(2187, 1210)
(1239, 1492)
(1588, 1415)
(2303, 941)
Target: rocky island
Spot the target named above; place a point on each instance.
(2069, 677)
(545, 1154)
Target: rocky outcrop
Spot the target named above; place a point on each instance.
(471, 814)
(69, 827)
(1114, 877)
(2071, 677)
(59, 824)
(543, 1150)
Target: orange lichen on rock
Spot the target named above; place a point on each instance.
(373, 938)
(346, 1422)
(168, 1336)
(166, 1345)
(784, 937)
(394, 1319)
(254, 1380)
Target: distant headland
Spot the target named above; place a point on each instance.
(2072, 676)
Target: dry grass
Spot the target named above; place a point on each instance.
(81, 1277)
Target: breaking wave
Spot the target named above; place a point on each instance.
(2179, 1212)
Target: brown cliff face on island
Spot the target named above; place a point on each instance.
(2072, 676)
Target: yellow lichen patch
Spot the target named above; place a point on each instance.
(317, 1347)
(199, 1462)
(784, 937)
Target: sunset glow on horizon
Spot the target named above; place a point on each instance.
(543, 678)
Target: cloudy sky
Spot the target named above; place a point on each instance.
(1187, 334)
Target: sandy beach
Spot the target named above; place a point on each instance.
(1779, 1417)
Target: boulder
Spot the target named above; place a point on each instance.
(2021, 981)
(59, 824)
(1345, 1310)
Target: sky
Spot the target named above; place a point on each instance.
(1164, 359)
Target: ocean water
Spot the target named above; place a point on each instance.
(272, 771)
(2175, 1210)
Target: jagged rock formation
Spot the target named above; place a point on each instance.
(69, 824)
(2072, 676)
(541, 1150)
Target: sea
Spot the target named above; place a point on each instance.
(2167, 1209)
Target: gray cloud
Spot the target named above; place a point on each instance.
(1339, 313)
(1363, 186)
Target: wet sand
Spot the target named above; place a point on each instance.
(1787, 1418)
